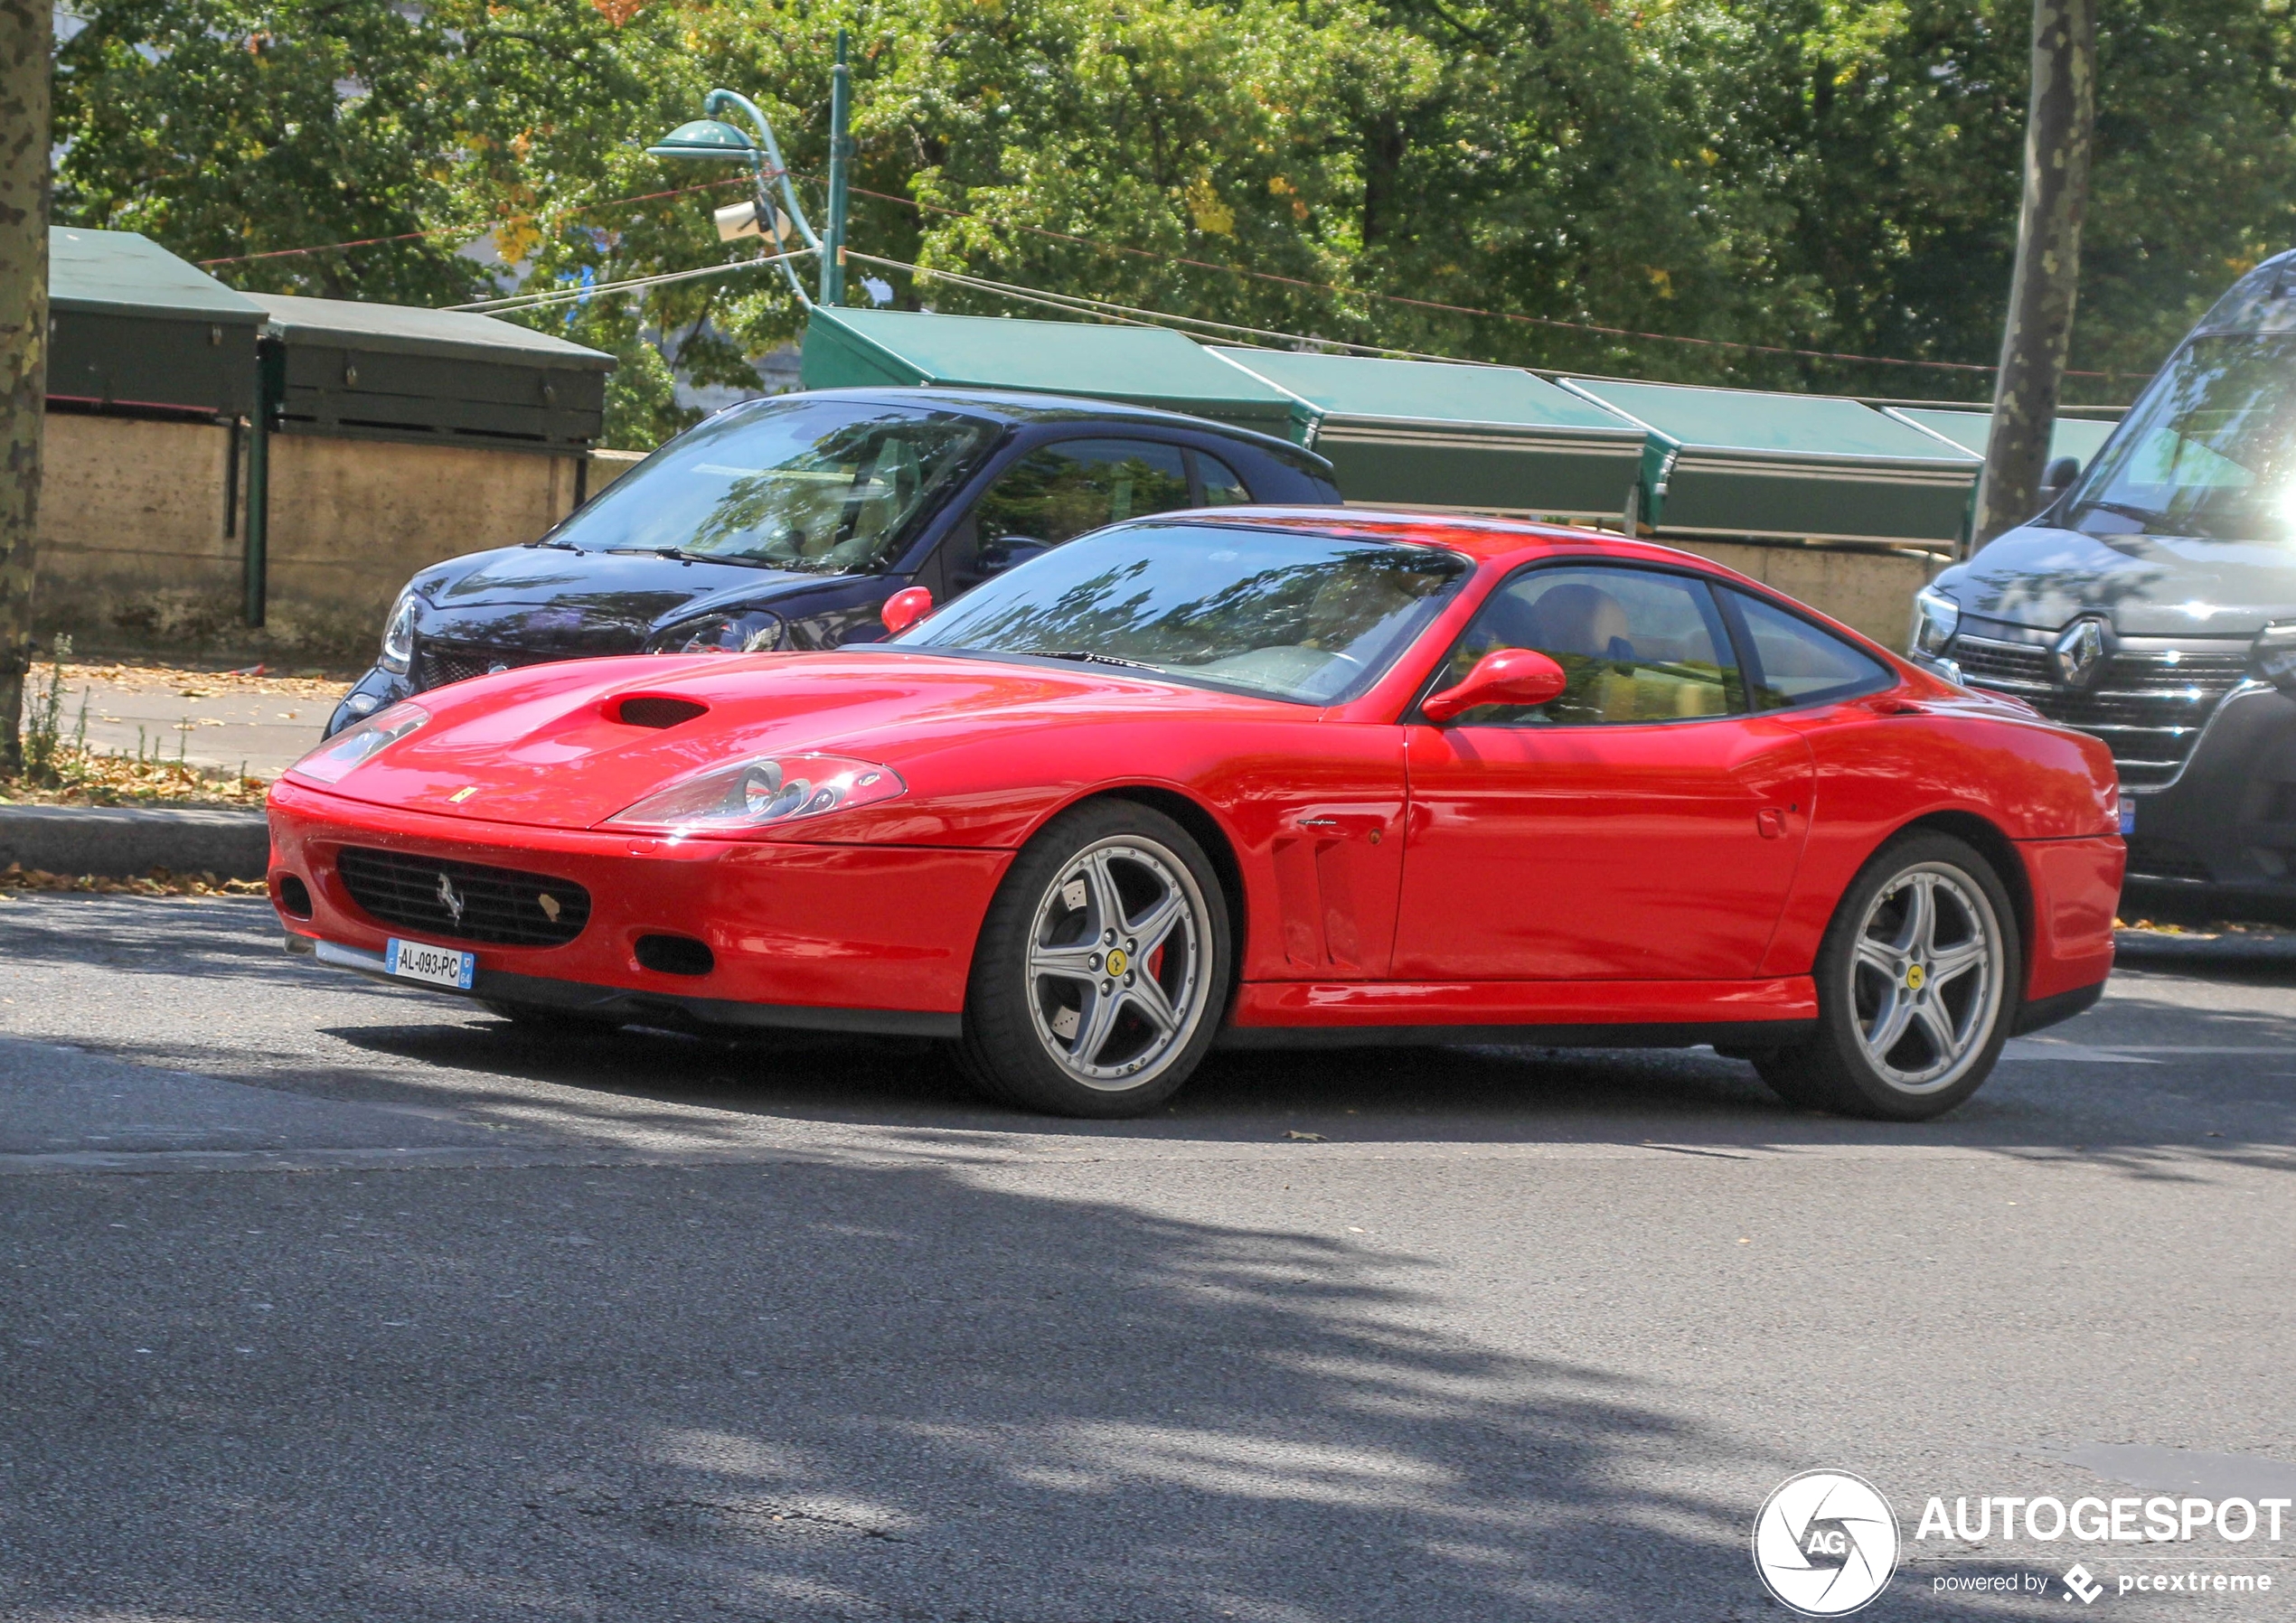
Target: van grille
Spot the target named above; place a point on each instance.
(2148, 707)
(463, 899)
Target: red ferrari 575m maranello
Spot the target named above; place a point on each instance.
(1274, 776)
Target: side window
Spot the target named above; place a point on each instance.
(1795, 664)
(1057, 493)
(1637, 646)
(1222, 488)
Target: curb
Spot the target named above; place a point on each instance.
(126, 842)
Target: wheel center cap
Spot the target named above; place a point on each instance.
(1914, 976)
(1118, 961)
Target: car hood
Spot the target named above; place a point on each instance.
(547, 595)
(2150, 585)
(545, 745)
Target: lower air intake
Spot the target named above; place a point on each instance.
(463, 900)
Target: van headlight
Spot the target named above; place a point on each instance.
(1935, 618)
(399, 635)
(2271, 657)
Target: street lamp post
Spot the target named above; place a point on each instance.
(712, 137)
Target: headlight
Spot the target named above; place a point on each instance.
(399, 635)
(2271, 657)
(1935, 616)
(743, 631)
(763, 792)
(362, 740)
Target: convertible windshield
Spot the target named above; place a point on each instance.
(1309, 618)
(2210, 451)
(832, 486)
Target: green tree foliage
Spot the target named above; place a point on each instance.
(1800, 174)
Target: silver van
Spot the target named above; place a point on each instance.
(2153, 603)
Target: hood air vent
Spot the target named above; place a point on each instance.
(658, 710)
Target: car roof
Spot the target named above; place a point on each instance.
(1018, 406)
(1483, 540)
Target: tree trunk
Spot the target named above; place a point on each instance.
(24, 53)
(2058, 133)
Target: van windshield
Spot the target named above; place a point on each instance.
(2210, 450)
(826, 486)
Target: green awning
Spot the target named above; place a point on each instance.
(397, 371)
(133, 325)
(1733, 463)
(2079, 438)
(1423, 434)
(1139, 366)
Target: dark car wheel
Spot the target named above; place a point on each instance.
(1917, 986)
(1102, 970)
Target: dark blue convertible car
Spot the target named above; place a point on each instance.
(786, 522)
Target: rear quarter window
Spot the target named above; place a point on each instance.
(1793, 663)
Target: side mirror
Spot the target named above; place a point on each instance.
(2060, 476)
(1506, 676)
(905, 608)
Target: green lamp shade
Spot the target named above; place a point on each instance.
(705, 138)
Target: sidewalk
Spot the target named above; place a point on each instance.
(212, 718)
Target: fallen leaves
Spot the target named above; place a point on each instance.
(158, 882)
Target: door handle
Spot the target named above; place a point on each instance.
(1771, 821)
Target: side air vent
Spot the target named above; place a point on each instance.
(654, 709)
(675, 955)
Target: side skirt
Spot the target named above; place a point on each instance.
(2048, 1011)
(1561, 1013)
(1722, 1034)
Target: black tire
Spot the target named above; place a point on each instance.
(1911, 1016)
(1106, 866)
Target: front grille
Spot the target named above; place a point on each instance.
(2149, 707)
(437, 667)
(497, 905)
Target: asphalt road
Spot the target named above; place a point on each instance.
(326, 1301)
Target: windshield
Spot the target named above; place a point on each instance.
(829, 486)
(1309, 618)
(2210, 451)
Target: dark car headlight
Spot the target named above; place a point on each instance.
(2271, 657)
(1935, 618)
(399, 634)
(742, 630)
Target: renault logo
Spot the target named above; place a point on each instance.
(451, 897)
(2078, 655)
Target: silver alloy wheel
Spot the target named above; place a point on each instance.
(1925, 981)
(1117, 981)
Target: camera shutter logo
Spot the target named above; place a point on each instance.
(1825, 1544)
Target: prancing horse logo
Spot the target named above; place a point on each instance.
(452, 898)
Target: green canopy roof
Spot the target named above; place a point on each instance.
(410, 330)
(2079, 438)
(1729, 462)
(134, 325)
(1139, 366)
(1477, 439)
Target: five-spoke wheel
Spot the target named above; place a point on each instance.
(1917, 982)
(1096, 985)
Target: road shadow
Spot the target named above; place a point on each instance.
(818, 1391)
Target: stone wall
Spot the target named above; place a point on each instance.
(137, 552)
(1870, 590)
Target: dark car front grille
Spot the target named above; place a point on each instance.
(438, 667)
(2149, 707)
(463, 899)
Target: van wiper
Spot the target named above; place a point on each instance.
(1082, 658)
(2142, 515)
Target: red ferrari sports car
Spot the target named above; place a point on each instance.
(1272, 777)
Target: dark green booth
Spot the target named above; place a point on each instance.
(1138, 366)
(1727, 463)
(438, 377)
(1491, 439)
(132, 327)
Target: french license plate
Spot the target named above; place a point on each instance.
(2128, 814)
(441, 966)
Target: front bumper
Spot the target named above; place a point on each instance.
(2222, 832)
(857, 938)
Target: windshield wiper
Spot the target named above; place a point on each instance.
(2142, 515)
(1082, 658)
(559, 545)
